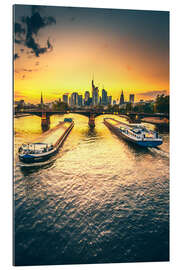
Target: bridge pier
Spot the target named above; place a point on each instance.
(45, 121)
(135, 118)
(91, 122)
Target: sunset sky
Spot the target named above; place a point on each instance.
(58, 49)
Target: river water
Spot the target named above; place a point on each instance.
(101, 200)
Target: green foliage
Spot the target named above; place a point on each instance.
(128, 107)
(115, 108)
(60, 106)
(162, 104)
(144, 108)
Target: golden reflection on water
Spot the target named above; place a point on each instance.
(93, 152)
(98, 187)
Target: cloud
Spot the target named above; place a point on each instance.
(26, 32)
(72, 19)
(19, 96)
(19, 32)
(27, 70)
(153, 93)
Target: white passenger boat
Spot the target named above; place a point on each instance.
(46, 145)
(137, 134)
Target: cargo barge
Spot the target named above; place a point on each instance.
(137, 134)
(46, 145)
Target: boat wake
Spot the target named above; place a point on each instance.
(35, 164)
(159, 152)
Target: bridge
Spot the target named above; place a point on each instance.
(133, 117)
(49, 112)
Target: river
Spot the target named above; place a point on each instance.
(102, 200)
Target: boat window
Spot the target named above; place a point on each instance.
(137, 131)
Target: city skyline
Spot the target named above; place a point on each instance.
(126, 96)
(86, 100)
(61, 48)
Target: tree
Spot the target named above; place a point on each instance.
(162, 104)
(115, 108)
(128, 107)
(60, 106)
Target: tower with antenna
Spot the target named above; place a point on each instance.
(95, 93)
(121, 98)
(42, 103)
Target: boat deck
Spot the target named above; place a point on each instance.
(52, 136)
(117, 123)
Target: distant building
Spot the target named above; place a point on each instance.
(95, 94)
(131, 98)
(65, 98)
(42, 103)
(121, 98)
(86, 96)
(74, 99)
(109, 100)
(89, 102)
(104, 99)
(80, 100)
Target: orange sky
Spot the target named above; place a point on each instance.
(118, 59)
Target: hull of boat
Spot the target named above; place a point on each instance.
(36, 158)
(28, 158)
(145, 143)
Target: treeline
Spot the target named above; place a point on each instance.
(161, 105)
(60, 106)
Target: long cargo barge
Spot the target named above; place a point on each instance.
(47, 144)
(137, 134)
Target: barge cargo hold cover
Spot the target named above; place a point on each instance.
(137, 134)
(46, 145)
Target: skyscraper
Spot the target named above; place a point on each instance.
(104, 99)
(42, 104)
(95, 94)
(74, 99)
(131, 98)
(121, 98)
(109, 100)
(86, 96)
(65, 98)
(80, 99)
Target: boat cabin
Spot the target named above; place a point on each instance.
(35, 148)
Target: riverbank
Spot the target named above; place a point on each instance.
(21, 115)
(156, 121)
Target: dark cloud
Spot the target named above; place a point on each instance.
(153, 93)
(18, 29)
(72, 19)
(26, 33)
(16, 56)
(27, 70)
